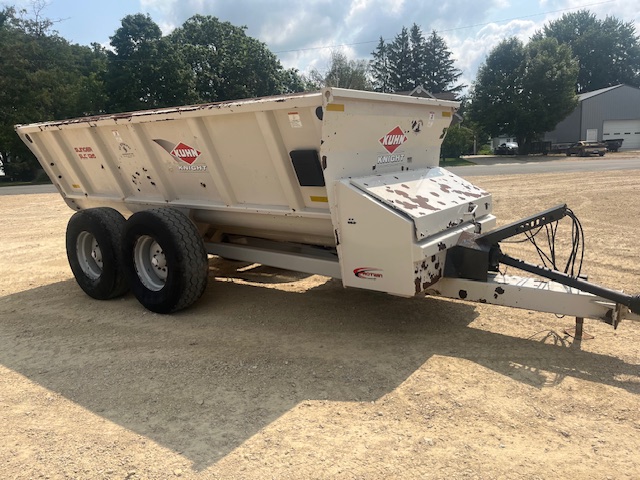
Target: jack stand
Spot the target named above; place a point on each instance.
(577, 332)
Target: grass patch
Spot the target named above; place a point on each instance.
(454, 162)
(7, 183)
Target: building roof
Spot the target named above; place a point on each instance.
(420, 91)
(584, 96)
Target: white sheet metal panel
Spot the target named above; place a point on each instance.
(377, 241)
(629, 130)
(209, 156)
(433, 198)
(229, 163)
(531, 294)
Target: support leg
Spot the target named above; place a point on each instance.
(577, 332)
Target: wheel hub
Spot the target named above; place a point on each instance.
(150, 263)
(159, 261)
(89, 255)
(96, 253)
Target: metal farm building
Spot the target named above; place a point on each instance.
(605, 114)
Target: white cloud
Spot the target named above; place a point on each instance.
(471, 51)
(304, 32)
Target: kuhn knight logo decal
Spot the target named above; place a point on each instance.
(392, 140)
(185, 153)
(180, 152)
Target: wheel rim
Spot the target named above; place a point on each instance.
(89, 255)
(150, 263)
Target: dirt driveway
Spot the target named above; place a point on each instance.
(282, 375)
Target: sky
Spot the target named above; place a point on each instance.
(303, 33)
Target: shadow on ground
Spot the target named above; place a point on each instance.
(203, 381)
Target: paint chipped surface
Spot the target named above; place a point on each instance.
(171, 113)
(434, 198)
(429, 271)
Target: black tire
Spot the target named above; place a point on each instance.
(94, 247)
(164, 259)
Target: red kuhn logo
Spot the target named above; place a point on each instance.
(392, 140)
(185, 153)
(368, 273)
(181, 152)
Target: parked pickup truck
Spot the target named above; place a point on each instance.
(584, 149)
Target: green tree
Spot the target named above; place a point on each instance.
(548, 94)
(523, 90)
(411, 61)
(400, 62)
(146, 70)
(44, 77)
(344, 73)
(294, 82)
(440, 74)
(380, 68)
(418, 54)
(227, 64)
(90, 94)
(494, 99)
(457, 142)
(608, 50)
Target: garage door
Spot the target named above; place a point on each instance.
(629, 130)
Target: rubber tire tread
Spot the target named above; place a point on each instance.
(187, 260)
(106, 225)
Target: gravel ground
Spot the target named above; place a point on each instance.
(275, 374)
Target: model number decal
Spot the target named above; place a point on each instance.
(85, 152)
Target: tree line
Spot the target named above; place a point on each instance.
(521, 89)
(525, 90)
(44, 77)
